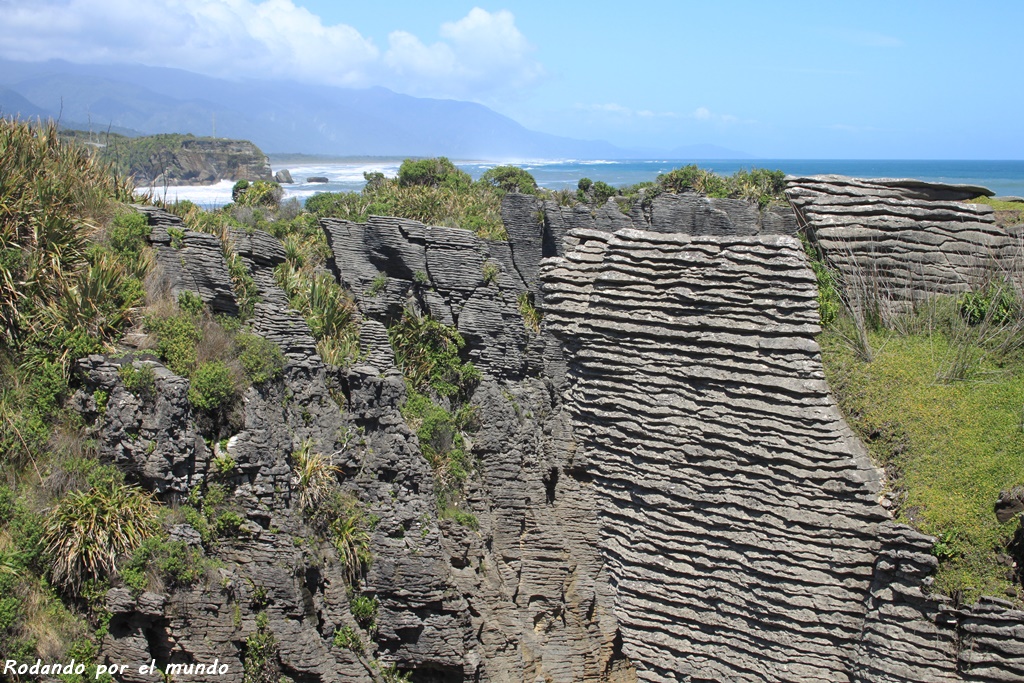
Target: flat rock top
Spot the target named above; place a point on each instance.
(903, 183)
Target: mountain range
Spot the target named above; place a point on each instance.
(285, 117)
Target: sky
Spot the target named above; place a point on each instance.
(900, 79)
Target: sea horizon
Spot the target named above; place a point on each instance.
(1002, 177)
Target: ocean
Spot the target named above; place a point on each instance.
(1002, 177)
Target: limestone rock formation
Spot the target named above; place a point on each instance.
(896, 241)
(663, 487)
(284, 176)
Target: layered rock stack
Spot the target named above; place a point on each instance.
(897, 241)
(664, 488)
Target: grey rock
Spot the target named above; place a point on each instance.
(318, 179)
(284, 176)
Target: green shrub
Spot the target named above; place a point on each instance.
(680, 179)
(127, 238)
(603, 191)
(346, 638)
(364, 610)
(260, 664)
(228, 524)
(380, 282)
(177, 236)
(510, 179)
(261, 358)
(437, 172)
(995, 302)
(177, 337)
(176, 562)
(830, 304)
(212, 386)
(191, 303)
(491, 270)
(89, 532)
(348, 529)
(140, 380)
(315, 477)
(428, 353)
(52, 193)
(441, 440)
(531, 316)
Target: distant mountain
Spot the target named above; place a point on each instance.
(279, 117)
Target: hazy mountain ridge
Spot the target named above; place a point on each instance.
(282, 117)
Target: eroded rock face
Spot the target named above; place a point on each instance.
(897, 241)
(664, 488)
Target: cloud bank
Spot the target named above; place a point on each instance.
(478, 55)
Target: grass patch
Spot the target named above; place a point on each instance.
(1006, 212)
(950, 441)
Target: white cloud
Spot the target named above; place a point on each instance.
(478, 54)
(481, 52)
(705, 114)
(618, 109)
(871, 39)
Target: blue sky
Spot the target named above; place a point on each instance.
(918, 80)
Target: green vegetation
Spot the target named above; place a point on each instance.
(315, 477)
(433, 191)
(936, 394)
(346, 638)
(379, 284)
(174, 563)
(89, 531)
(212, 386)
(260, 662)
(428, 353)
(1007, 212)
(261, 359)
(364, 610)
(490, 271)
(510, 179)
(531, 316)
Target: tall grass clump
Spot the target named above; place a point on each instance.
(54, 199)
(89, 532)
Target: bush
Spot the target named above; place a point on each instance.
(314, 477)
(261, 358)
(345, 637)
(428, 353)
(53, 194)
(441, 440)
(176, 562)
(364, 610)
(212, 386)
(177, 337)
(261, 654)
(437, 172)
(89, 532)
(140, 381)
(510, 179)
(531, 316)
(995, 302)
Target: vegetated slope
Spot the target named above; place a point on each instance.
(931, 379)
(175, 159)
(356, 451)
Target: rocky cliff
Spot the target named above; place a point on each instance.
(662, 485)
(174, 159)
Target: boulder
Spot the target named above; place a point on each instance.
(284, 177)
